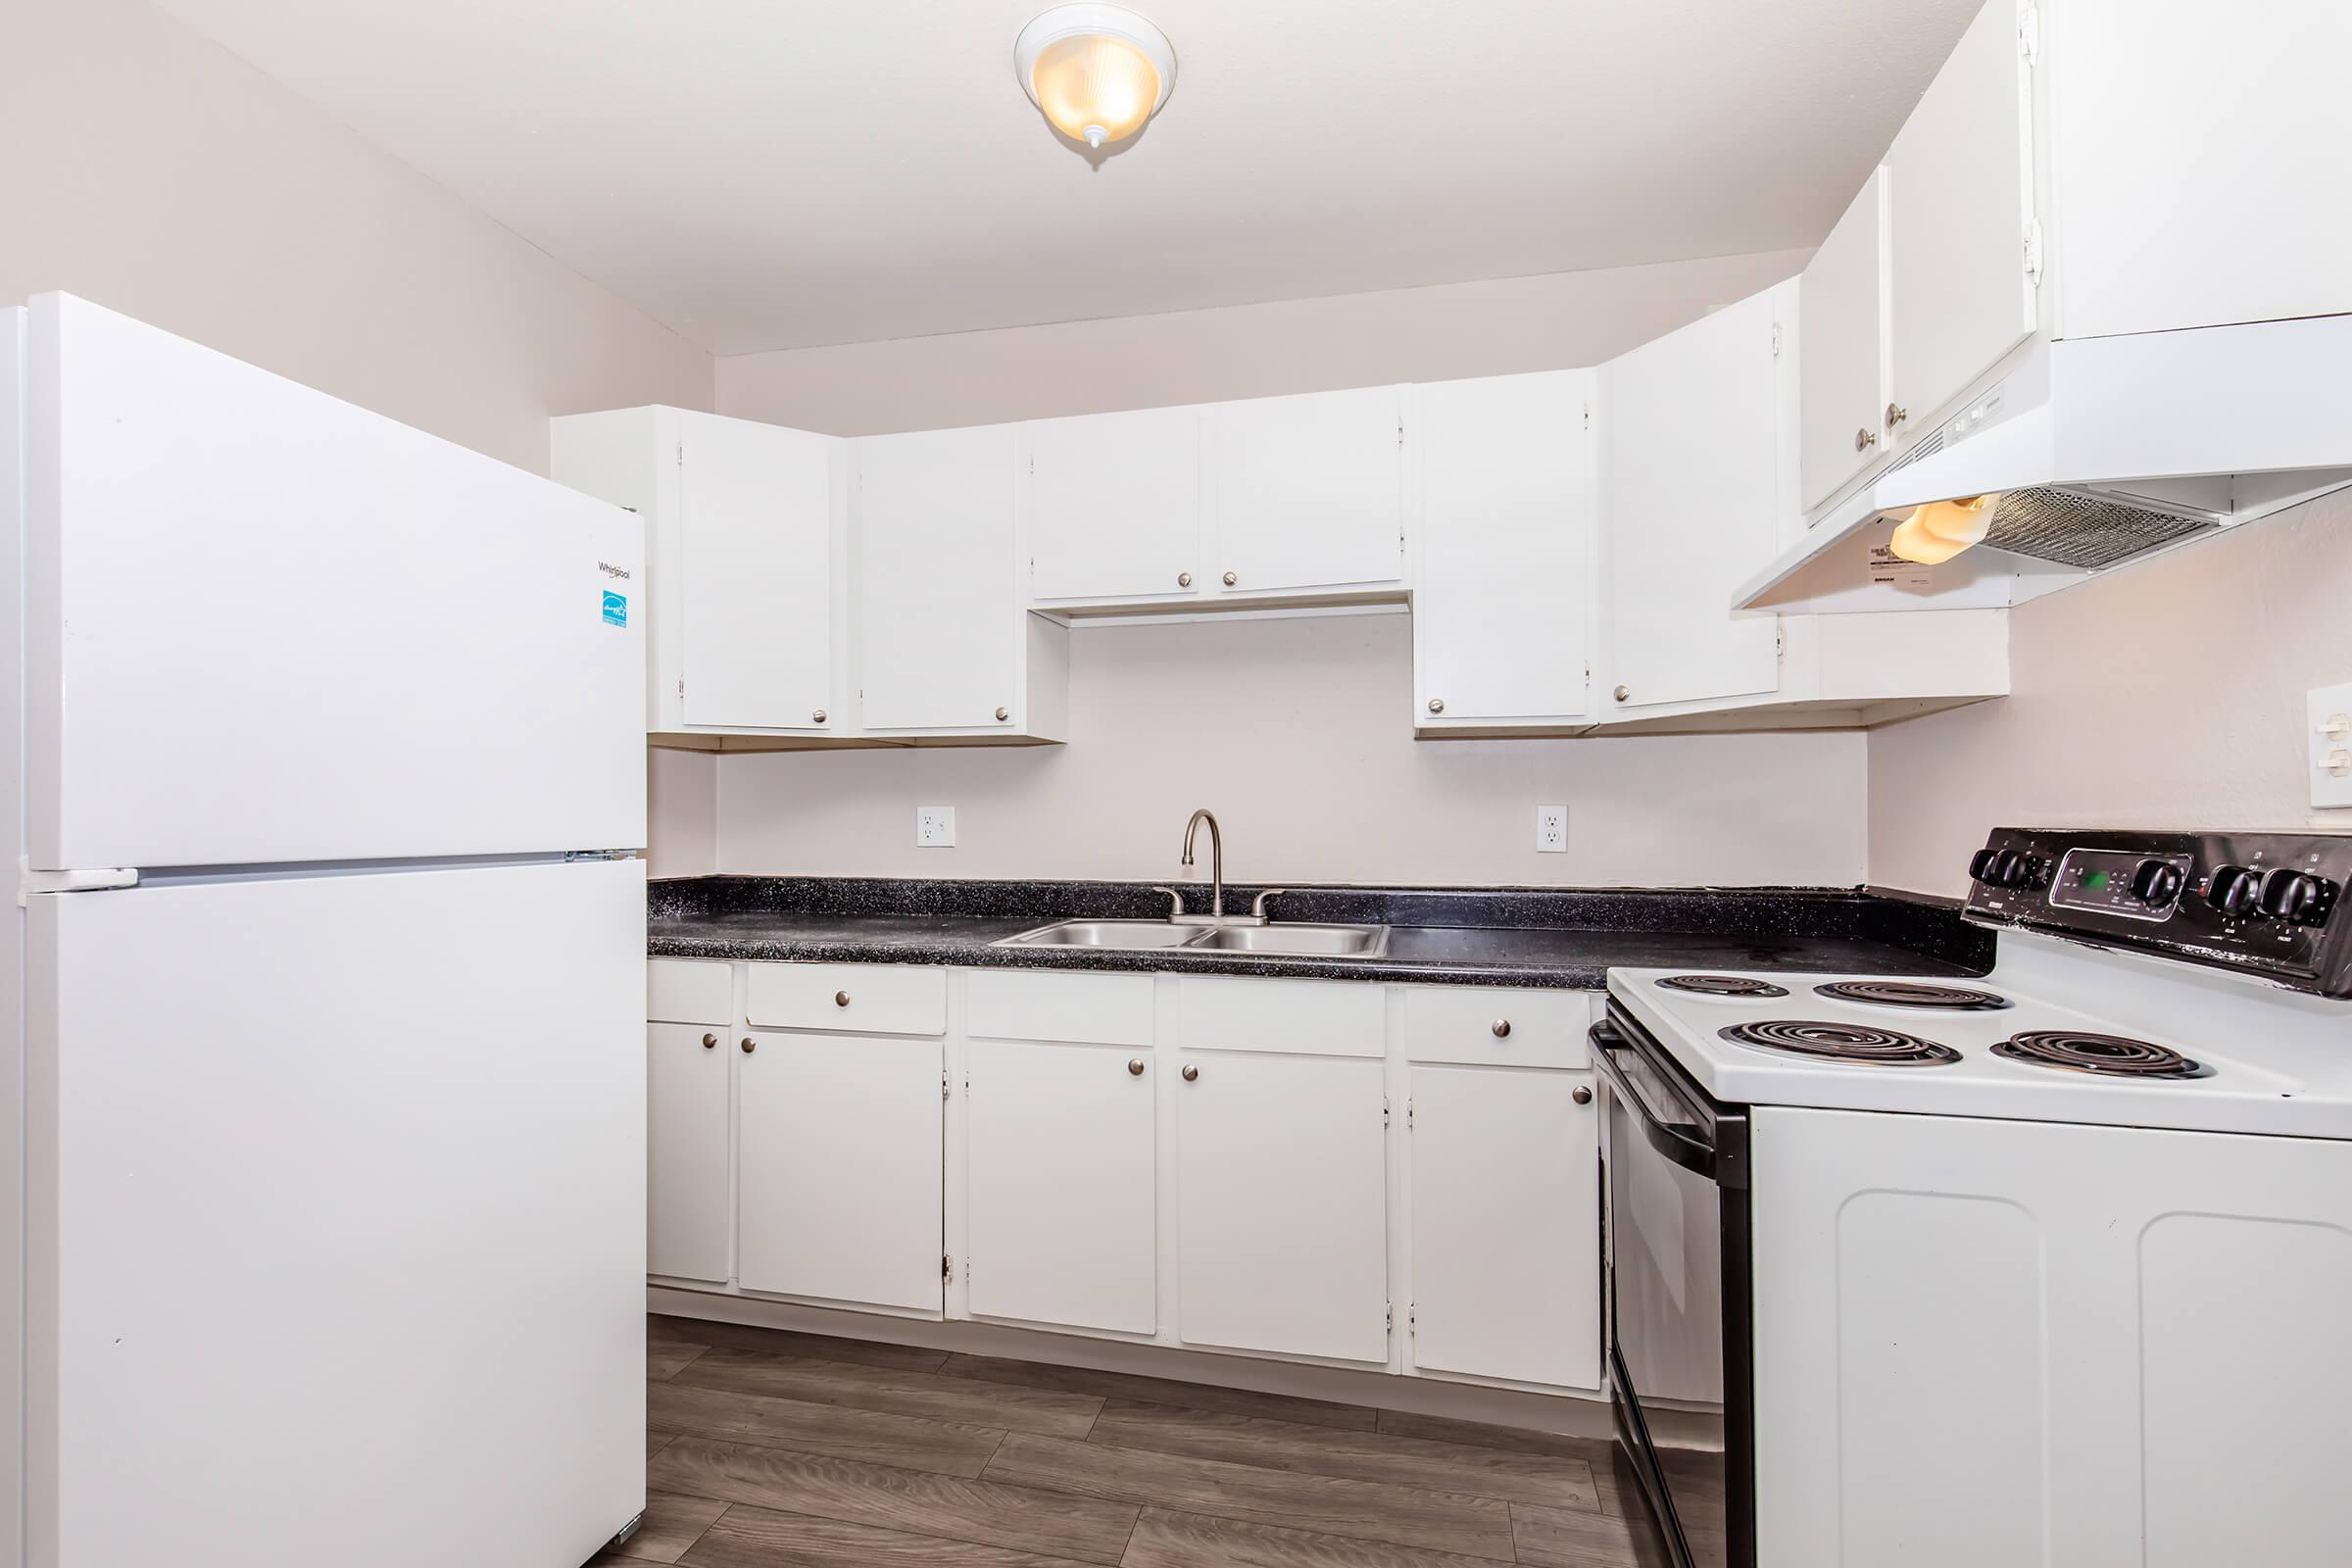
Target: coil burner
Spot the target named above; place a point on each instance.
(1842, 1041)
(2107, 1055)
(1722, 985)
(1912, 994)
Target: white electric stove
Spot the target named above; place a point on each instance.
(2049, 1265)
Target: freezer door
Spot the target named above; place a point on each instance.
(266, 626)
(336, 1193)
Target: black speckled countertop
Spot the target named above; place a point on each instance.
(1552, 937)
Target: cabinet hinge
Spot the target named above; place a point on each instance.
(1776, 340)
(2029, 34)
(1779, 642)
(2032, 250)
(1587, 415)
(946, 1267)
(681, 454)
(1408, 1115)
(1392, 1317)
(943, 1085)
(1412, 1320)
(1383, 1111)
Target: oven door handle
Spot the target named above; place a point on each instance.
(1693, 1154)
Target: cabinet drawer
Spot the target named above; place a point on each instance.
(689, 991)
(1488, 1024)
(878, 999)
(1107, 1009)
(1307, 1018)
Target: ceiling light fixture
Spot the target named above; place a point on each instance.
(1097, 72)
(1936, 532)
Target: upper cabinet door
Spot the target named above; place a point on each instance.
(756, 526)
(2169, 108)
(1501, 596)
(1112, 505)
(1842, 349)
(1308, 491)
(1695, 458)
(1960, 200)
(940, 617)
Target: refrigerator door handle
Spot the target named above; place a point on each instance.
(86, 881)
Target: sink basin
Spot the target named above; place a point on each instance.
(1105, 934)
(1358, 941)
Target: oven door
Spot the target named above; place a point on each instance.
(1678, 1298)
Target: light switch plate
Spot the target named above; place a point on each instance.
(935, 827)
(2329, 734)
(1551, 829)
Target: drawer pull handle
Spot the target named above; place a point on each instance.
(1135, 1066)
(841, 998)
(1581, 1095)
(708, 1041)
(748, 1044)
(1502, 1028)
(1192, 1074)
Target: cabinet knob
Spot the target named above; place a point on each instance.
(1865, 438)
(1004, 713)
(709, 1042)
(1437, 704)
(841, 998)
(1192, 1074)
(1896, 413)
(1184, 580)
(1231, 578)
(1580, 1094)
(1622, 693)
(1135, 1066)
(1502, 1028)
(748, 1044)
(817, 717)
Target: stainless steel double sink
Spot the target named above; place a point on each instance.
(1301, 940)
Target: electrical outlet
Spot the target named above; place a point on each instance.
(2329, 734)
(1551, 829)
(935, 827)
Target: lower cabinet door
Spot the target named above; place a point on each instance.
(1505, 1225)
(686, 1150)
(838, 1168)
(1060, 1190)
(1282, 1203)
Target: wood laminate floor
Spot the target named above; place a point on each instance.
(768, 1449)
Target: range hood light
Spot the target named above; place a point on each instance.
(1939, 530)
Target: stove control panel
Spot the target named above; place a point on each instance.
(2266, 904)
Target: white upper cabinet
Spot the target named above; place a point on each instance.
(1960, 208)
(1502, 582)
(1111, 505)
(1307, 491)
(1696, 473)
(946, 644)
(745, 527)
(2202, 154)
(1841, 354)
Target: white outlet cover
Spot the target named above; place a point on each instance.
(1551, 829)
(935, 827)
(2328, 705)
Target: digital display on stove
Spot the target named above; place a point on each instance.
(2110, 882)
(2094, 881)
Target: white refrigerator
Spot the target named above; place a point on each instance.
(324, 1069)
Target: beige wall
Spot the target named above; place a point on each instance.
(1422, 334)
(159, 175)
(2168, 695)
(1298, 734)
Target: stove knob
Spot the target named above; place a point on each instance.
(2013, 868)
(2297, 895)
(2235, 891)
(1979, 865)
(2156, 882)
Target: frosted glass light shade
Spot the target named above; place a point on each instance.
(1097, 72)
(1939, 530)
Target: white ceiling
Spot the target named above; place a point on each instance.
(773, 174)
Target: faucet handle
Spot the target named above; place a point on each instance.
(1258, 905)
(1176, 899)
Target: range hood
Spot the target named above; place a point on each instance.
(2103, 451)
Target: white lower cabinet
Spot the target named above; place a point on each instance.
(1061, 1185)
(1282, 1197)
(686, 1213)
(1505, 1194)
(837, 1175)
